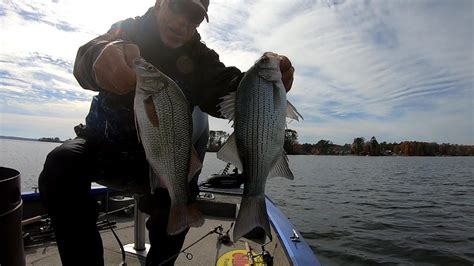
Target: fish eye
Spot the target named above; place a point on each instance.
(150, 67)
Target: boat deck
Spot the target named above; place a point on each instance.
(206, 252)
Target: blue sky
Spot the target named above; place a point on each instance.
(397, 70)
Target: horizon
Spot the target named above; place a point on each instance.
(396, 71)
(299, 142)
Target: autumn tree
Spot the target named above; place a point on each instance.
(307, 148)
(322, 147)
(374, 149)
(357, 145)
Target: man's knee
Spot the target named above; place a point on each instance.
(55, 164)
(61, 165)
(68, 153)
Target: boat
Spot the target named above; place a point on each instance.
(209, 244)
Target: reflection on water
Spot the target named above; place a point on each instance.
(353, 210)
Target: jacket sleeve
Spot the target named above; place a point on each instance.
(88, 53)
(216, 81)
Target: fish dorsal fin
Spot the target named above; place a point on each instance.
(292, 113)
(229, 153)
(227, 106)
(195, 164)
(281, 168)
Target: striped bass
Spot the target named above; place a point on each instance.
(259, 109)
(164, 125)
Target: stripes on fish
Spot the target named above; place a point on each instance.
(164, 125)
(258, 109)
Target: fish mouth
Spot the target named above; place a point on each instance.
(265, 61)
(139, 61)
(273, 55)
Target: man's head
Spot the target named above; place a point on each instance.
(178, 19)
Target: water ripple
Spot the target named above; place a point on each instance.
(387, 210)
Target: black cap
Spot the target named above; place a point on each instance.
(203, 4)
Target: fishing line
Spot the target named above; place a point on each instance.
(118, 210)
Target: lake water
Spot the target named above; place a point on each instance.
(352, 210)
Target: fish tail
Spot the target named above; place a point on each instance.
(184, 216)
(252, 220)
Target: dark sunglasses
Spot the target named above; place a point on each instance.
(183, 7)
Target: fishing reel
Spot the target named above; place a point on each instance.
(224, 238)
(266, 256)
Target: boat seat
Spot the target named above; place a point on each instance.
(129, 187)
(137, 188)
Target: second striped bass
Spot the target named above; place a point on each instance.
(259, 109)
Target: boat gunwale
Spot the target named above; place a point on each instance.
(299, 252)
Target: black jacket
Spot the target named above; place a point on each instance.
(195, 68)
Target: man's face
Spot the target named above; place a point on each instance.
(177, 21)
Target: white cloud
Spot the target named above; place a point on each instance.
(376, 67)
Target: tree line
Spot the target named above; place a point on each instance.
(56, 139)
(360, 146)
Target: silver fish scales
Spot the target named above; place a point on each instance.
(164, 125)
(259, 109)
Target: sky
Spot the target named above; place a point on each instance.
(397, 70)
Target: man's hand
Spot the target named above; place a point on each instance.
(287, 72)
(113, 67)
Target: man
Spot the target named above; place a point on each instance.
(108, 147)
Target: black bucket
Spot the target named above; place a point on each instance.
(11, 211)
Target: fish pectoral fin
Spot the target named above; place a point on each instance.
(252, 221)
(150, 111)
(281, 168)
(183, 216)
(195, 164)
(227, 106)
(292, 113)
(229, 153)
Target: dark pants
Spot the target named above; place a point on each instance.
(65, 185)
